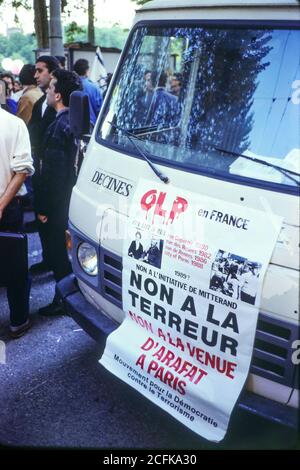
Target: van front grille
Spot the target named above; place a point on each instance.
(276, 330)
(111, 277)
(272, 353)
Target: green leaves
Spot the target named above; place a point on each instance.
(18, 46)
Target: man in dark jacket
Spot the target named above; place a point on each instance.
(164, 109)
(57, 177)
(42, 116)
(153, 254)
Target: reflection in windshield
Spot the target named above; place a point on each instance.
(187, 91)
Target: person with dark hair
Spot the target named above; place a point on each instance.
(153, 254)
(148, 88)
(44, 65)
(57, 178)
(11, 104)
(9, 80)
(176, 83)
(235, 285)
(31, 93)
(17, 86)
(81, 67)
(26, 75)
(232, 269)
(64, 83)
(164, 110)
(62, 61)
(17, 91)
(136, 248)
(42, 116)
(144, 99)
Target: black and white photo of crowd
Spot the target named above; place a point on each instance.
(149, 253)
(235, 276)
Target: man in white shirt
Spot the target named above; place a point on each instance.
(15, 165)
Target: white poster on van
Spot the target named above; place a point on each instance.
(193, 269)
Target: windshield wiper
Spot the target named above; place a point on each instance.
(132, 137)
(284, 171)
(141, 131)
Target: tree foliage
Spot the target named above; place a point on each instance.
(227, 80)
(41, 16)
(18, 46)
(73, 32)
(16, 5)
(21, 46)
(106, 37)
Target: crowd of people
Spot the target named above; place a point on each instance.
(235, 277)
(38, 160)
(157, 101)
(37, 157)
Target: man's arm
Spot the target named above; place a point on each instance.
(11, 190)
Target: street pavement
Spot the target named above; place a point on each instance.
(54, 393)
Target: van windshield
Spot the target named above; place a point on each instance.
(185, 93)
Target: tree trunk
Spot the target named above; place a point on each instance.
(41, 23)
(91, 27)
(55, 30)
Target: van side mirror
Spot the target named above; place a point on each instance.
(79, 112)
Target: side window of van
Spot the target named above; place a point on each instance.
(187, 93)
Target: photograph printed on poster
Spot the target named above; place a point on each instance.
(136, 249)
(235, 276)
(148, 251)
(153, 253)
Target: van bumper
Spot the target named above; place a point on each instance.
(92, 320)
(99, 326)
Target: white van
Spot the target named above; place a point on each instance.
(226, 126)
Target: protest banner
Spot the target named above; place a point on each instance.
(193, 270)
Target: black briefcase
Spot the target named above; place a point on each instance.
(13, 257)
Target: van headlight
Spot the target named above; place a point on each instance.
(87, 259)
